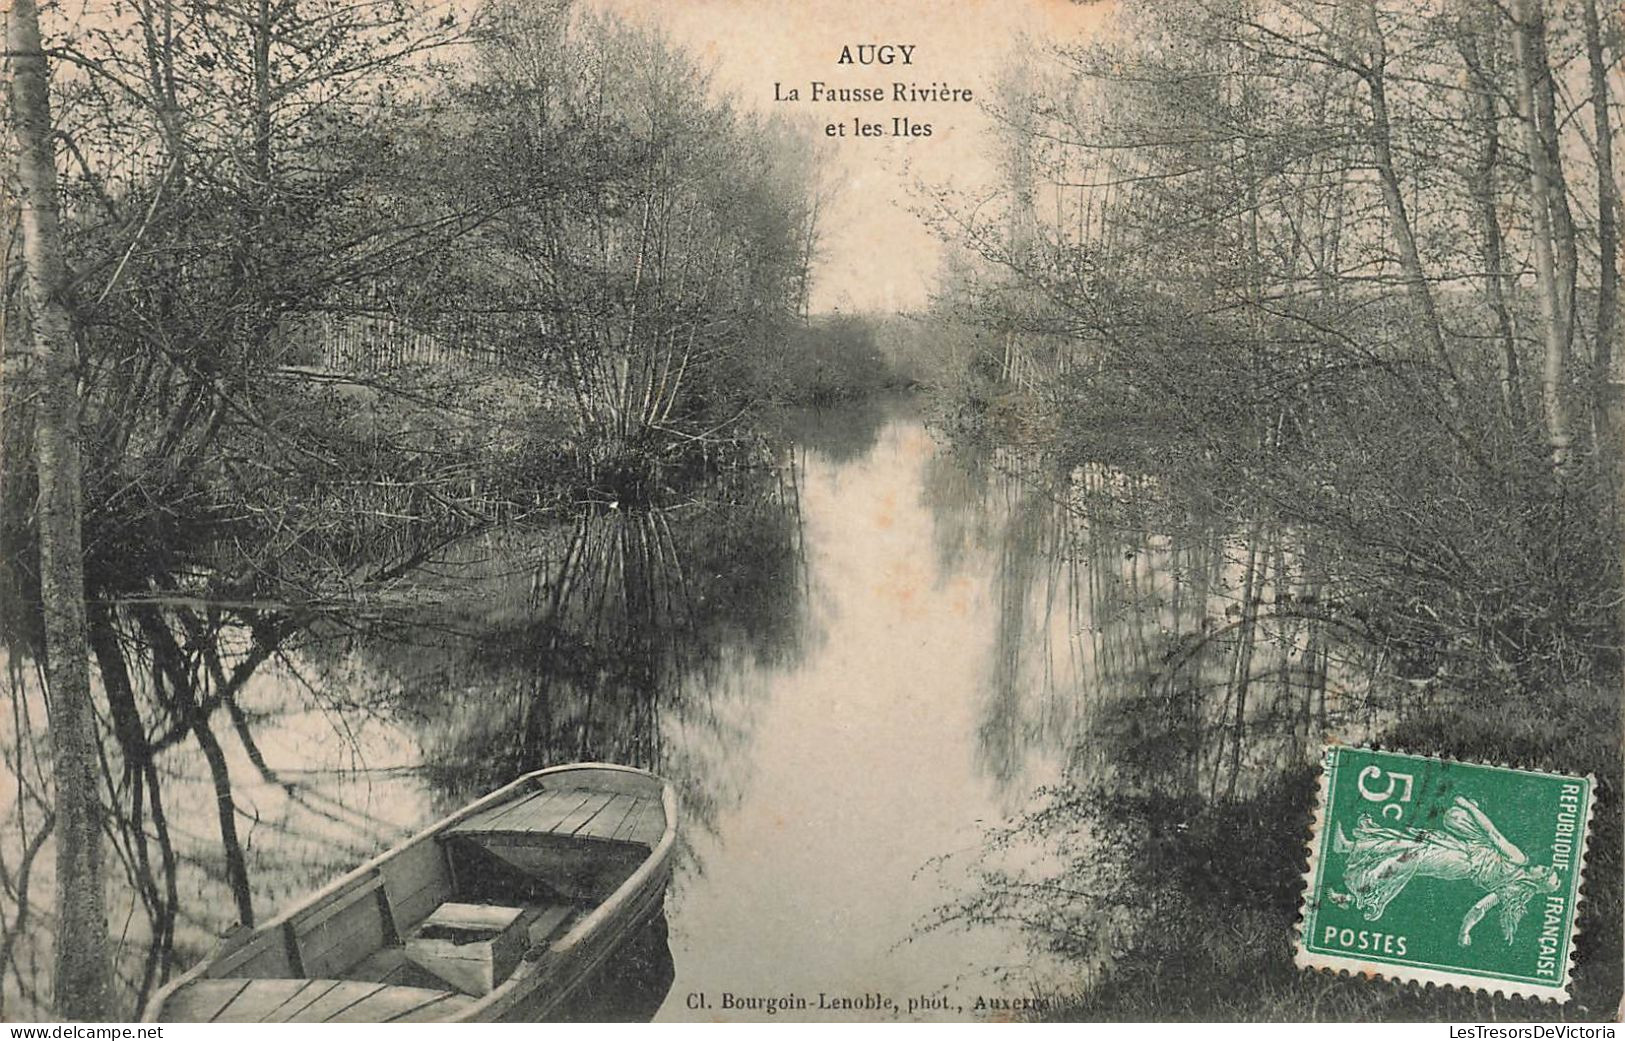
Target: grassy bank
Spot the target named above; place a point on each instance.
(1202, 897)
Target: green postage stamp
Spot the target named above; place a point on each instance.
(1445, 872)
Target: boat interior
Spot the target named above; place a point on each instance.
(402, 939)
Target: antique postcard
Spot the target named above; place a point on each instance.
(811, 511)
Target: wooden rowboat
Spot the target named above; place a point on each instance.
(497, 912)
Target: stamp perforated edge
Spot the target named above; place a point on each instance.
(1306, 959)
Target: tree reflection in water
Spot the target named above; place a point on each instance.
(252, 752)
(1166, 676)
(1174, 665)
(1181, 654)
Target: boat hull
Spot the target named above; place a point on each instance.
(303, 965)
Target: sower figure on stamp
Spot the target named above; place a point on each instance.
(1382, 860)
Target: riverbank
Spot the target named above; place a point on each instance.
(1217, 940)
(1179, 832)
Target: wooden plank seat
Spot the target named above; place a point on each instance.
(311, 1001)
(574, 813)
(555, 846)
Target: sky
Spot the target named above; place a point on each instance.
(875, 255)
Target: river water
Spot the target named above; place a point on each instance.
(856, 670)
(867, 761)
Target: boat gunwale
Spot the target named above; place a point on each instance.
(336, 888)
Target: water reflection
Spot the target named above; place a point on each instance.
(591, 641)
(616, 635)
(1157, 649)
(851, 666)
(1185, 672)
(843, 434)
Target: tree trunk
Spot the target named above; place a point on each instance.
(262, 100)
(82, 967)
(1532, 13)
(1602, 359)
(1552, 312)
(1410, 258)
(1482, 93)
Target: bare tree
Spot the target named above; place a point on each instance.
(1529, 48)
(1375, 74)
(1607, 227)
(1481, 186)
(82, 978)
